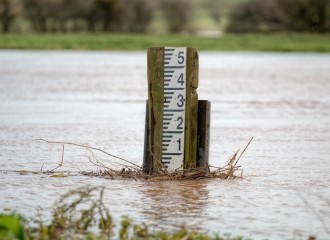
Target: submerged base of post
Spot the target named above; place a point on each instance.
(203, 138)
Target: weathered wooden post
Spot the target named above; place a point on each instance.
(172, 129)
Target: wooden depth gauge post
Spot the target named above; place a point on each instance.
(173, 134)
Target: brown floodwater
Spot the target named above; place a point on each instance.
(98, 99)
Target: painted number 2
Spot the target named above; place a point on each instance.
(180, 122)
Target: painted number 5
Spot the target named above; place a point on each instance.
(181, 57)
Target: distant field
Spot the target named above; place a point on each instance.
(112, 41)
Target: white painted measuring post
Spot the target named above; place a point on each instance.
(173, 136)
(174, 108)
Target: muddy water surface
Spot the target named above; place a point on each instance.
(98, 99)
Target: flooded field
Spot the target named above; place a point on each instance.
(98, 99)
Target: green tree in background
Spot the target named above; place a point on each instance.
(257, 16)
(135, 15)
(307, 15)
(281, 15)
(105, 13)
(9, 10)
(177, 14)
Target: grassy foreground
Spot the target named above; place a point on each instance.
(82, 215)
(113, 41)
(79, 215)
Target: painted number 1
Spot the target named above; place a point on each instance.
(179, 142)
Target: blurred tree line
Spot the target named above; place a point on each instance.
(92, 15)
(77, 15)
(137, 15)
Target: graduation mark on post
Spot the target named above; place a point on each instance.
(173, 129)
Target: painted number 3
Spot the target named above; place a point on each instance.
(180, 103)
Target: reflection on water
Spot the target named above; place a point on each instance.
(98, 99)
(177, 201)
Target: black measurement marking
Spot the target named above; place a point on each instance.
(166, 67)
(174, 89)
(173, 110)
(172, 131)
(168, 136)
(172, 154)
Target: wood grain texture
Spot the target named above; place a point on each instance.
(192, 72)
(155, 104)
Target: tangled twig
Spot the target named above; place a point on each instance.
(88, 147)
(132, 171)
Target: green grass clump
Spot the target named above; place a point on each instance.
(280, 42)
(11, 227)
